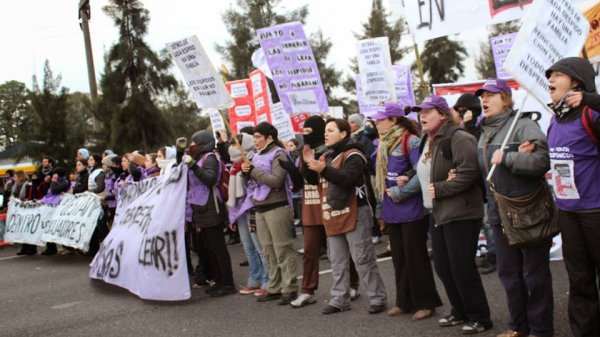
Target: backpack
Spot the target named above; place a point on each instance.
(223, 182)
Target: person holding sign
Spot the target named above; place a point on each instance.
(402, 211)
(347, 217)
(208, 209)
(269, 187)
(520, 168)
(457, 209)
(573, 138)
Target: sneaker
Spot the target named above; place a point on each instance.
(376, 240)
(287, 298)
(223, 291)
(330, 309)
(269, 297)
(512, 333)
(212, 288)
(302, 300)
(450, 320)
(260, 292)
(385, 253)
(473, 328)
(488, 265)
(301, 251)
(354, 294)
(377, 308)
(244, 263)
(248, 290)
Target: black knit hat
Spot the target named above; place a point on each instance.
(266, 130)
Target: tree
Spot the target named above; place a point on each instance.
(134, 76)
(443, 60)
(182, 114)
(51, 132)
(242, 23)
(15, 113)
(484, 62)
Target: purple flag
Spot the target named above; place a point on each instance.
(294, 69)
(404, 90)
(501, 45)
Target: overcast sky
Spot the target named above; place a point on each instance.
(35, 30)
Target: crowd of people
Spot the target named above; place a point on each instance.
(349, 181)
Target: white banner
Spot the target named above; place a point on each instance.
(553, 29)
(375, 67)
(74, 220)
(128, 192)
(145, 250)
(26, 221)
(202, 79)
(282, 122)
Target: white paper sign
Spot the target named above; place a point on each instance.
(74, 220)
(553, 29)
(204, 82)
(281, 121)
(145, 251)
(26, 221)
(376, 73)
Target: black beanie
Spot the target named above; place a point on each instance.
(266, 130)
(469, 101)
(204, 140)
(317, 136)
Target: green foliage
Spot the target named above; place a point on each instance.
(484, 62)
(134, 75)
(15, 113)
(183, 114)
(443, 60)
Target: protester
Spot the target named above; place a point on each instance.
(524, 272)
(457, 209)
(240, 206)
(81, 183)
(357, 125)
(347, 217)
(467, 110)
(112, 170)
(21, 190)
(208, 209)
(294, 152)
(96, 174)
(82, 153)
(271, 196)
(166, 158)
(573, 138)
(133, 164)
(150, 165)
(403, 214)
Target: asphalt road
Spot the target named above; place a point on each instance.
(53, 296)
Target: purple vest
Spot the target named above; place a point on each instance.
(264, 161)
(198, 192)
(51, 199)
(111, 188)
(410, 209)
(575, 165)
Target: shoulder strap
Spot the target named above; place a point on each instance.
(405, 142)
(587, 121)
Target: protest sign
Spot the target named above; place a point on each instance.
(74, 220)
(403, 88)
(293, 67)
(242, 112)
(375, 69)
(26, 221)
(282, 122)
(145, 250)
(501, 46)
(216, 120)
(336, 112)
(592, 45)
(203, 81)
(298, 121)
(262, 102)
(553, 29)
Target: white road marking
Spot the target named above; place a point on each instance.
(11, 257)
(66, 305)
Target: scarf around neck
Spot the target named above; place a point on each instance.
(387, 143)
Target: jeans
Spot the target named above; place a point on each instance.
(258, 270)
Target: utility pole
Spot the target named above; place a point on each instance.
(84, 17)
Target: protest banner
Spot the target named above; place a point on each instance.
(553, 29)
(129, 191)
(501, 46)
(282, 122)
(293, 67)
(26, 221)
(262, 102)
(203, 81)
(242, 112)
(403, 87)
(592, 44)
(298, 121)
(74, 220)
(375, 70)
(145, 249)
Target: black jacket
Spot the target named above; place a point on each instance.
(211, 214)
(81, 184)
